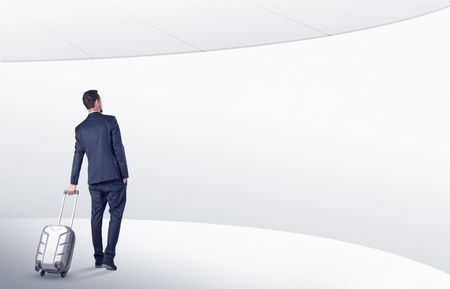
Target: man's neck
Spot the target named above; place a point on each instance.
(91, 111)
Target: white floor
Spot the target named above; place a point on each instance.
(181, 255)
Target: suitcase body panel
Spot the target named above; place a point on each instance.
(55, 249)
(56, 245)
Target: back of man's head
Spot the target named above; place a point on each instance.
(89, 98)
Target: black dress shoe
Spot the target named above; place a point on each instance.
(111, 267)
(98, 263)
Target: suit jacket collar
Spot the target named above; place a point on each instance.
(93, 114)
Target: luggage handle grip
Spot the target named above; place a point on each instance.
(73, 210)
(76, 192)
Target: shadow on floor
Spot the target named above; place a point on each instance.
(76, 274)
(87, 272)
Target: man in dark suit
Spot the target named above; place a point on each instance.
(99, 137)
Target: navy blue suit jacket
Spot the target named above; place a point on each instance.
(99, 137)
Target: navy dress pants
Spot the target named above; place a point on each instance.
(112, 193)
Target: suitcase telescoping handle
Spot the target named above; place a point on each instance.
(73, 210)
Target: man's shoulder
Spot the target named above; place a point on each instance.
(80, 125)
(109, 117)
(103, 117)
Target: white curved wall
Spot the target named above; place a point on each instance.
(89, 29)
(344, 137)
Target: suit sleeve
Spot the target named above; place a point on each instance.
(119, 150)
(77, 159)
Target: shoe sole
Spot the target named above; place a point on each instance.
(107, 267)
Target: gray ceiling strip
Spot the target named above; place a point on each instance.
(54, 32)
(288, 18)
(153, 26)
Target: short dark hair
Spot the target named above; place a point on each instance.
(89, 98)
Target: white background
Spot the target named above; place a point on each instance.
(345, 137)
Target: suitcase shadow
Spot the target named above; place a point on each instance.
(84, 270)
(77, 274)
(87, 273)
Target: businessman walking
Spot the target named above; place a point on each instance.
(99, 137)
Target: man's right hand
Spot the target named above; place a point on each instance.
(71, 189)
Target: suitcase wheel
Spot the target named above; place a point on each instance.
(63, 275)
(42, 273)
(36, 267)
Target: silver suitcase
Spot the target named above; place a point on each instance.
(55, 249)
